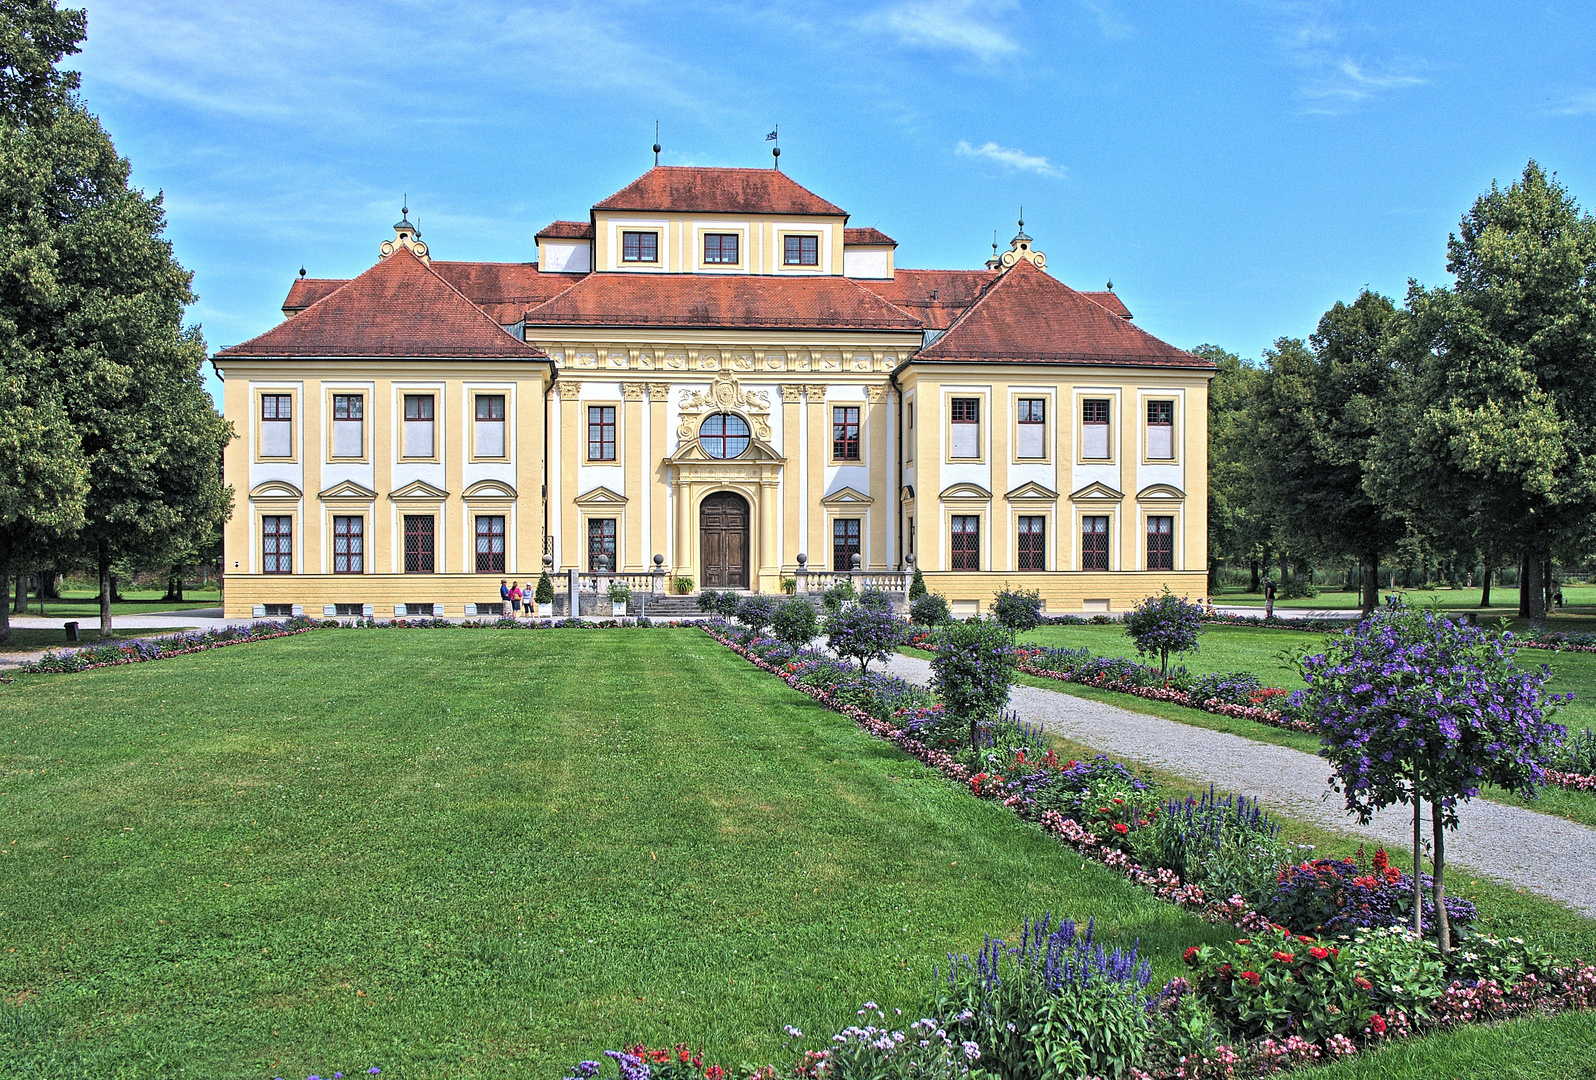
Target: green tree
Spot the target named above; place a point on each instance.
(1236, 531)
(91, 317)
(1317, 413)
(1491, 435)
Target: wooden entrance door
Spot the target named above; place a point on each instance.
(723, 539)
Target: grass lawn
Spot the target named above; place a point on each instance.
(31, 639)
(461, 854)
(1579, 612)
(83, 603)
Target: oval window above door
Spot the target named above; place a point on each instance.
(723, 435)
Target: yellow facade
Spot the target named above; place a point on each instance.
(613, 435)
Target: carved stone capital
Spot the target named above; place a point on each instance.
(569, 391)
(633, 391)
(659, 391)
(792, 393)
(874, 394)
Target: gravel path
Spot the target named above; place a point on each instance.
(1538, 852)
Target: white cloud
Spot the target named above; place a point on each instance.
(957, 25)
(1009, 158)
(1581, 104)
(1110, 22)
(1336, 77)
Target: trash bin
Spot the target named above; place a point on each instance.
(71, 631)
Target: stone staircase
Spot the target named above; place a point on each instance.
(668, 607)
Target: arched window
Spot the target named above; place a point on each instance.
(723, 435)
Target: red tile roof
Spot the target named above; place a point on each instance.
(625, 299)
(1029, 316)
(398, 308)
(306, 291)
(936, 296)
(566, 230)
(698, 190)
(1109, 300)
(867, 235)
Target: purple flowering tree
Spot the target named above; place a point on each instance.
(865, 632)
(1164, 624)
(971, 671)
(1412, 706)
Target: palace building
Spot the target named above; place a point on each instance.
(713, 374)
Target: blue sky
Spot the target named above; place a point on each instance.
(1234, 168)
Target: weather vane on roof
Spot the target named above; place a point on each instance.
(656, 144)
(775, 151)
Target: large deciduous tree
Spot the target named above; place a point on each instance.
(1493, 431)
(1236, 531)
(92, 339)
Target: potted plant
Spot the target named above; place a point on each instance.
(544, 595)
(620, 593)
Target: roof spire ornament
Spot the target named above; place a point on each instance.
(405, 235)
(1020, 248)
(656, 144)
(994, 263)
(775, 151)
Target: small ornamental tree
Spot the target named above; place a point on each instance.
(971, 671)
(795, 621)
(864, 633)
(930, 610)
(1164, 624)
(916, 586)
(875, 598)
(755, 611)
(544, 594)
(838, 595)
(1016, 609)
(1411, 706)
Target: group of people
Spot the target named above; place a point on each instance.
(511, 593)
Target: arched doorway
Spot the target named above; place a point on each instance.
(723, 540)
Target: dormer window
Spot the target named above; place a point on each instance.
(801, 251)
(721, 248)
(640, 247)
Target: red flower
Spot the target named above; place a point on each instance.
(1318, 953)
(1251, 976)
(1393, 875)
(1283, 957)
(1305, 939)
(1243, 941)
(1191, 955)
(1121, 828)
(1361, 983)
(714, 1072)
(1225, 970)
(1119, 802)
(1381, 861)
(1377, 1024)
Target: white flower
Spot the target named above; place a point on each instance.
(972, 1051)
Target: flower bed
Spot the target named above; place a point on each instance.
(115, 653)
(1276, 998)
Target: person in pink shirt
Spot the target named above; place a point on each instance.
(515, 599)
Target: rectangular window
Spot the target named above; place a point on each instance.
(1031, 550)
(844, 543)
(600, 544)
(720, 248)
(490, 425)
(801, 251)
(412, 610)
(1094, 543)
(911, 534)
(845, 433)
(277, 425)
(1031, 440)
(490, 544)
(966, 548)
(966, 427)
(277, 544)
(909, 453)
(1094, 428)
(1160, 429)
(1160, 543)
(349, 426)
(639, 247)
(349, 545)
(418, 426)
(601, 432)
(419, 543)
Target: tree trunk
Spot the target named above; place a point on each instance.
(1523, 576)
(1443, 929)
(105, 592)
(1254, 586)
(21, 607)
(50, 586)
(5, 616)
(115, 589)
(1371, 582)
(1549, 585)
(1418, 846)
(1532, 594)
(179, 586)
(1485, 583)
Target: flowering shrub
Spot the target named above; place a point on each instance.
(1055, 1004)
(971, 671)
(1274, 984)
(1225, 844)
(756, 610)
(1413, 706)
(135, 652)
(795, 621)
(865, 632)
(644, 1063)
(1164, 624)
(1334, 896)
(924, 1052)
(931, 609)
